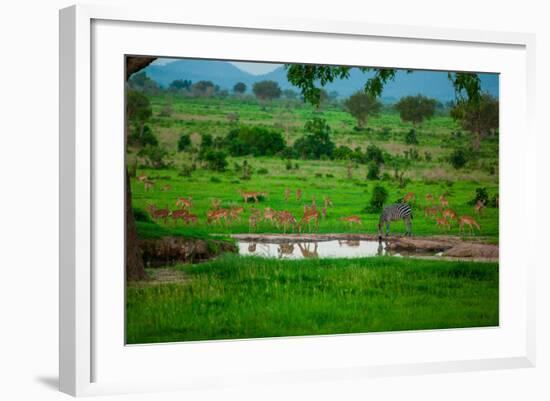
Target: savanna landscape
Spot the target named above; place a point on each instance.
(257, 204)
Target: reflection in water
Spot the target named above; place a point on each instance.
(314, 249)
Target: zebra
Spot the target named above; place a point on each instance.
(395, 212)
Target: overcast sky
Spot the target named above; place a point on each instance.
(250, 67)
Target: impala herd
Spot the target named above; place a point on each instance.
(441, 212)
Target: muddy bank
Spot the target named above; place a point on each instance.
(172, 250)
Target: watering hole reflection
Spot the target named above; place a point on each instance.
(314, 249)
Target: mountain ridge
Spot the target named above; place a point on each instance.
(434, 84)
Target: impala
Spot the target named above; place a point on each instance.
(444, 202)
(351, 220)
(468, 221)
(479, 206)
(443, 222)
(308, 217)
(185, 202)
(409, 196)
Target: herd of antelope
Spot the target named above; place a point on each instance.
(445, 216)
(438, 209)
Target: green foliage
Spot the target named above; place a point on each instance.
(262, 171)
(416, 109)
(239, 87)
(481, 196)
(266, 90)
(374, 154)
(410, 138)
(362, 106)
(378, 199)
(184, 142)
(142, 137)
(216, 160)
(342, 152)
(141, 82)
(154, 156)
(187, 170)
(256, 141)
(480, 117)
(215, 180)
(180, 84)
(203, 89)
(207, 140)
(141, 215)
(288, 165)
(317, 142)
(428, 156)
(458, 158)
(373, 172)
(138, 108)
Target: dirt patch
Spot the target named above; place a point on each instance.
(469, 250)
(172, 250)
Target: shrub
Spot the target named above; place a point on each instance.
(373, 172)
(411, 154)
(263, 171)
(186, 170)
(141, 215)
(428, 156)
(317, 142)
(166, 110)
(288, 165)
(342, 152)
(318, 175)
(184, 142)
(374, 154)
(215, 179)
(257, 141)
(410, 138)
(296, 166)
(206, 140)
(384, 134)
(481, 195)
(458, 158)
(329, 175)
(143, 138)
(154, 156)
(377, 200)
(216, 160)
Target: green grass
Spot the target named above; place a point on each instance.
(235, 297)
(317, 178)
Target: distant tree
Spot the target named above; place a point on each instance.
(317, 142)
(138, 110)
(361, 106)
(416, 109)
(207, 140)
(216, 160)
(266, 91)
(479, 117)
(140, 81)
(290, 94)
(184, 142)
(240, 88)
(180, 84)
(203, 89)
(257, 141)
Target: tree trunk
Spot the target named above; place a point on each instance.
(135, 269)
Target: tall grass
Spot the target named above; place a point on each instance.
(235, 297)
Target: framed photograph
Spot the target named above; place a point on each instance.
(266, 200)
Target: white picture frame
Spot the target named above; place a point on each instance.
(92, 362)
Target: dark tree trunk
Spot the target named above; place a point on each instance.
(135, 269)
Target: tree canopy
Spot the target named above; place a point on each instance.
(361, 106)
(416, 109)
(239, 87)
(266, 90)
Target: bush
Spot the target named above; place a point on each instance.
(373, 172)
(458, 158)
(317, 142)
(256, 141)
(146, 137)
(141, 215)
(184, 142)
(329, 175)
(410, 138)
(262, 171)
(215, 179)
(216, 160)
(481, 195)
(384, 134)
(154, 156)
(428, 156)
(206, 140)
(411, 154)
(288, 165)
(374, 154)
(377, 200)
(186, 170)
(342, 152)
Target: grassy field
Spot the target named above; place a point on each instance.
(235, 298)
(318, 178)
